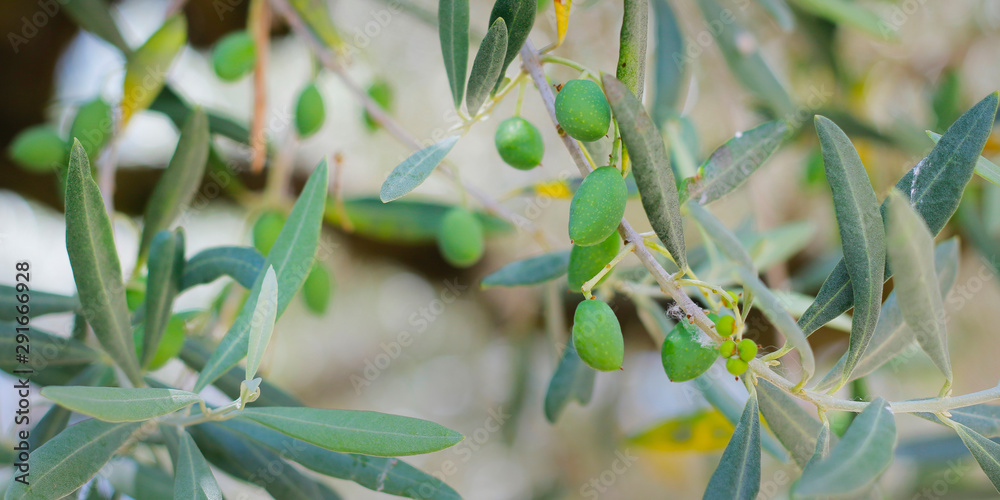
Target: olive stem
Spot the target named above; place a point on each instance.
(592, 282)
(520, 95)
(587, 72)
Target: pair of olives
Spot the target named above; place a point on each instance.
(42, 149)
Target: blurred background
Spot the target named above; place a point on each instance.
(480, 360)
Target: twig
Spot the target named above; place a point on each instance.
(260, 20)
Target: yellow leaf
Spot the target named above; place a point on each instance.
(562, 18)
(146, 70)
(699, 432)
(317, 18)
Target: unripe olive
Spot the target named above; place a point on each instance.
(170, 344)
(381, 93)
(38, 149)
(747, 349)
(309, 111)
(460, 238)
(234, 55)
(727, 348)
(586, 262)
(736, 366)
(684, 355)
(266, 230)
(316, 289)
(597, 207)
(519, 143)
(582, 110)
(725, 325)
(92, 126)
(597, 336)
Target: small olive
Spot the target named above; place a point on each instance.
(597, 336)
(725, 325)
(234, 56)
(309, 111)
(736, 366)
(38, 149)
(586, 262)
(747, 349)
(598, 206)
(266, 230)
(727, 348)
(582, 110)
(460, 238)
(519, 143)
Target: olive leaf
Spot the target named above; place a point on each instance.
(243, 264)
(530, 271)
(146, 68)
(195, 355)
(70, 459)
(415, 169)
(631, 68)
(96, 269)
(822, 451)
(935, 187)
(316, 15)
(775, 312)
(573, 379)
(794, 427)
(95, 17)
(651, 167)
(402, 221)
(851, 14)
(262, 324)
(780, 12)
(118, 404)
(351, 431)
(487, 66)
(733, 162)
(453, 30)
(56, 418)
(668, 70)
(59, 352)
(519, 17)
(721, 235)
(983, 419)
(179, 112)
(862, 234)
(986, 451)
(166, 266)
(193, 479)
(723, 399)
(42, 303)
(738, 474)
(985, 168)
(562, 8)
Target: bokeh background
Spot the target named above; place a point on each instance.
(480, 363)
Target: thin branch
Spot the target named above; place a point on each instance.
(260, 21)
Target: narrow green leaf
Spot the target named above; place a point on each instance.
(519, 17)
(911, 250)
(794, 427)
(364, 432)
(487, 66)
(166, 266)
(986, 451)
(781, 243)
(857, 460)
(721, 235)
(453, 30)
(730, 165)
(862, 235)
(941, 179)
(773, 310)
(95, 17)
(118, 404)
(140, 481)
(724, 400)
(70, 459)
(738, 474)
(631, 69)
(179, 112)
(263, 322)
(195, 355)
(780, 12)
(40, 303)
(573, 379)
(62, 360)
(851, 14)
(983, 419)
(415, 169)
(96, 269)
(193, 480)
(243, 264)
(669, 70)
(146, 68)
(179, 182)
(651, 167)
(985, 168)
(316, 15)
(822, 446)
(530, 271)
(292, 258)
(407, 222)
(56, 418)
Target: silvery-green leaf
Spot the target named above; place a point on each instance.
(857, 460)
(64, 358)
(70, 459)
(797, 303)
(193, 479)
(96, 269)
(669, 71)
(486, 67)
(984, 419)
(195, 355)
(262, 324)
(166, 267)
(985, 168)
(822, 447)
(650, 166)
(41, 303)
(118, 404)
(243, 264)
(794, 427)
(862, 235)
(911, 251)
(986, 451)
(56, 418)
(530, 271)
(730, 165)
(415, 169)
(519, 17)
(847, 13)
(292, 258)
(781, 13)
(631, 68)
(775, 312)
(453, 30)
(779, 244)
(738, 474)
(723, 400)
(573, 379)
(727, 242)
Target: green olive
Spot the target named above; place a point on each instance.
(685, 356)
(39, 149)
(309, 111)
(92, 126)
(381, 93)
(736, 366)
(586, 262)
(316, 289)
(582, 110)
(597, 336)
(725, 325)
(727, 348)
(234, 56)
(460, 238)
(597, 207)
(266, 230)
(747, 349)
(170, 344)
(519, 143)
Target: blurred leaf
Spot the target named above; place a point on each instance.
(453, 30)
(775, 312)
(96, 269)
(140, 481)
(487, 67)
(669, 76)
(60, 360)
(794, 427)
(42, 303)
(95, 17)
(365, 432)
(415, 169)
(723, 400)
(562, 8)
(781, 243)
(911, 250)
(738, 474)
(987, 452)
(848, 13)
(796, 303)
(146, 68)
(166, 266)
(243, 264)
(702, 431)
(730, 165)
(406, 222)
(985, 168)
(193, 478)
(519, 18)
(316, 15)
(650, 166)
(117, 404)
(720, 234)
(70, 459)
(935, 186)
(291, 257)
(982, 419)
(262, 325)
(857, 460)
(573, 379)
(631, 69)
(179, 112)
(861, 234)
(179, 182)
(780, 12)
(530, 271)
(195, 354)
